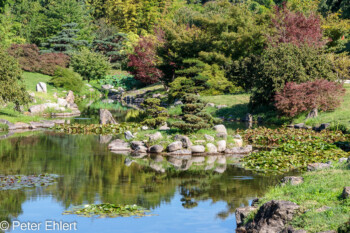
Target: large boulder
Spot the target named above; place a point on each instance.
(272, 217)
(156, 136)
(135, 144)
(243, 212)
(119, 145)
(41, 87)
(62, 102)
(220, 129)
(221, 146)
(106, 117)
(70, 97)
(197, 149)
(174, 146)
(186, 142)
(212, 148)
(35, 109)
(156, 149)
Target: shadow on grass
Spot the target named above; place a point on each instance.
(7, 114)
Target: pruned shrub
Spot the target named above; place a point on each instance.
(144, 60)
(67, 79)
(298, 98)
(155, 115)
(193, 116)
(31, 60)
(90, 65)
(27, 55)
(50, 61)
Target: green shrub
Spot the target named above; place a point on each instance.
(90, 65)
(154, 114)
(67, 79)
(124, 80)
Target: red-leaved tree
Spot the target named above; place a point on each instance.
(50, 61)
(296, 28)
(143, 62)
(298, 98)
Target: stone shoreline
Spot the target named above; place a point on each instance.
(44, 124)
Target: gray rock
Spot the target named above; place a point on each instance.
(312, 114)
(346, 192)
(186, 142)
(322, 209)
(292, 180)
(197, 149)
(239, 150)
(128, 135)
(210, 105)
(156, 136)
(106, 117)
(221, 145)
(238, 142)
(135, 144)
(119, 145)
(144, 127)
(107, 87)
(324, 126)
(156, 149)
(179, 102)
(174, 146)
(241, 213)
(41, 87)
(181, 152)
(237, 136)
(220, 129)
(343, 160)
(299, 126)
(18, 125)
(272, 217)
(209, 138)
(42, 107)
(212, 148)
(70, 97)
(221, 135)
(318, 166)
(164, 127)
(201, 142)
(62, 102)
(141, 149)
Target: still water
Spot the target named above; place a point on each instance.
(202, 201)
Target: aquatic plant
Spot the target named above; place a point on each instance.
(108, 210)
(294, 155)
(19, 181)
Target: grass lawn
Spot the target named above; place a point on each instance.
(320, 189)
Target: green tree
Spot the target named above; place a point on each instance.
(155, 115)
(11, 84)
(90, 65)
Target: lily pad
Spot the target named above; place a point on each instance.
(108, 210)
(12, 182)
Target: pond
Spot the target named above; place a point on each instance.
(180, 201)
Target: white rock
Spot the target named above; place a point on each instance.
(156, 136)
(220, 129)
(221, 146)
(197, 149)
(174, 146)
(212, 148)
(62, 102)
(209, 138)
(238, 142)
(41, 87)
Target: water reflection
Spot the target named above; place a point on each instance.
(91, 174)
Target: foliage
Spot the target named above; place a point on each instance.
(30, 60)
(267, 74)
(90, 65)
(155, 115)
(67, 79)
(65, 41)
(11, 82)
(292, 155)
(9, 29)
(193, 117)
(144, 60)
(108, 210)
(334, 6)
(296, 28)
(113, 48)
(123, 80)
(298, 98)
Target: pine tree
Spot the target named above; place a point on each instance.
(65, 42)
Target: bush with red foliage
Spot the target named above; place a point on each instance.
(298, 98)
(31, 60)
(27, 56)
(50, 61)
(143, 61)
(296, 28)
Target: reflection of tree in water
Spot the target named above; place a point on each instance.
(11, 204)
(90, 173)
